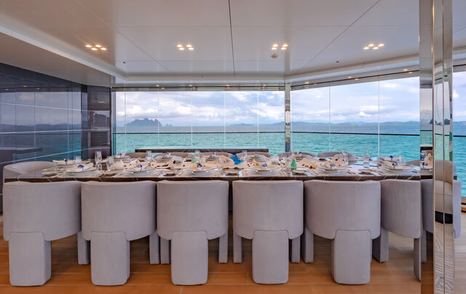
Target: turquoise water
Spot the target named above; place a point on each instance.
(360, 145)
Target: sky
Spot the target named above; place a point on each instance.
(390, 100)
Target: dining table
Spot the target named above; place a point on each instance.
(158, 167)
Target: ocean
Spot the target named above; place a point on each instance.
(360, 145)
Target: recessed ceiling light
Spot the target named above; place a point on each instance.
(373, 46)
(182, 47)
(95, 47)
(283, 46)
(405, 69)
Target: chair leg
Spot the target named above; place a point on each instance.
(417, 258)
(237, 248)
(380, 246)
(109, 258)
(30, 260)
(295, 249)
(189, 258)
(270, 254)
(351, 257)
(307, 246)
(223, 248)
(424, 246)
(154, 255)
(84, 248)
(164, 251)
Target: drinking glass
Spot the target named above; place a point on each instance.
(366, 160)
(77, 159)
(110, 163)
(98, 160)
(148, 155)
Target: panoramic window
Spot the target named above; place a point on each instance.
(199, 118)
(459, 126)
(371, 118)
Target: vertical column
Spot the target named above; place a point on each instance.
(436, 114)
(287, 117)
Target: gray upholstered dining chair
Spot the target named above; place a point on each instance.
(348, 213)
(402, 215)
(189, 213)
(112, 215)
(270, 213)
(454, 201)
(34, 215)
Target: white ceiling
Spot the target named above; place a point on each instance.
(231, 38)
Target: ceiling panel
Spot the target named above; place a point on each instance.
(348, 49)
(260, 66)
(254, 43)
(119, 48)
(297, 12)
(196, 66)
(46, 14)
(210, 43)
(142, 35)
(392, 13)
(140, 66)
(160, 12)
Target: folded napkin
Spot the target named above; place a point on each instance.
(80, 168)
(118, 165)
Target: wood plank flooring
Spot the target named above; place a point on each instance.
(395, 276)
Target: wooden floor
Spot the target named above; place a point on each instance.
(395, 276)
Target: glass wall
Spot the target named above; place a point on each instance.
(199, 118)
(459, 126)
(373, 118)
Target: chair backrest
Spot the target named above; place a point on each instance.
(453, 204)
(53, 209)
(124, 207)
(402, 207)
(342, 205)
(192, 206)
(20, 168)
(268, 205)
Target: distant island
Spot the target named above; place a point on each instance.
(146, 125)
